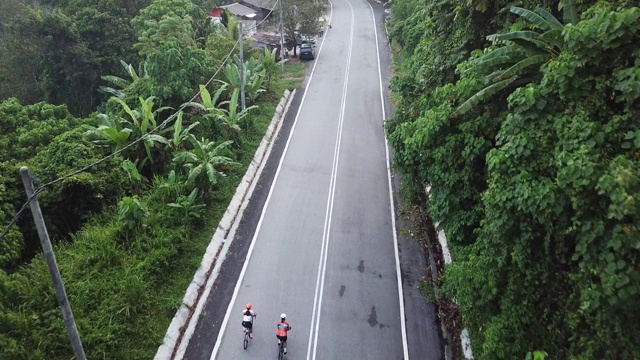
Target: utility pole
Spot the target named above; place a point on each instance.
(241, 66)
(281, 36)
(61, 294)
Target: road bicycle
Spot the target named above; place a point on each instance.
(247, 337)
(280, 350)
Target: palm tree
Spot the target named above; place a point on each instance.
(522, 50)
(204, 162)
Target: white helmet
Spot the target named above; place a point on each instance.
(283, 316)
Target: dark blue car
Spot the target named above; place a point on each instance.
(306, 51)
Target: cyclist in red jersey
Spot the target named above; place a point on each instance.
(283, 327)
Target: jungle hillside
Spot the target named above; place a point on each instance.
(522, 116)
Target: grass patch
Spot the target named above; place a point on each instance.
(295, 70)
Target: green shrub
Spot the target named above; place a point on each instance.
(30, 128)
(68, 204)
(131, 214)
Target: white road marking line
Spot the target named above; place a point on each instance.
(403, 324)
(223, 326)
(329, 213)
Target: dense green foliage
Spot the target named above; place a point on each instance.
(58, 56)
(130, 231)
(39, 136)
(535, 183)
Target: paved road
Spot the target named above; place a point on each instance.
(324, 248)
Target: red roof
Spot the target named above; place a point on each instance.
(216, 12)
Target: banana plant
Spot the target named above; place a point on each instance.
(254, 84)
(142, 121)
(205, 162)
(136, 180)
(232, 73)
(253, 65)
(120, 82)
(179, 133)
(270, 65)
(109, 132)
(521, 50)
(189, 206)
(209, 103)
(131, 170)
(231, 118)
(170, 187)
(254, 77)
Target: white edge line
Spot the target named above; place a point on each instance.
(275, 126)
(216, 348)
(403, 324)
(333, 190)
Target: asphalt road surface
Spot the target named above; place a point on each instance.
(324, 250)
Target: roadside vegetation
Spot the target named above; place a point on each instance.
(79, 81)
(523, 118)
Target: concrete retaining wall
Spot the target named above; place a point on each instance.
(446, 254)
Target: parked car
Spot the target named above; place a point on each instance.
(300, 39)
(307, 39)
(306, 51)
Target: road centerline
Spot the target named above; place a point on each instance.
(322, 266)
(266, 204)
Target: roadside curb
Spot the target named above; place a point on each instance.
(183, 324)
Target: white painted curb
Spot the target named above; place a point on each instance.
(446, 254)
(183, 324)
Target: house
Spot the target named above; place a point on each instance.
(244, 14)
(240, 11)
(269, 41)
(263, 8)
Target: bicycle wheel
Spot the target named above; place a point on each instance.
(280, 352)
(246, 339)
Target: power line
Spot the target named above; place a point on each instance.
(142, 138)
(269, 13)
(145, 136)
(115, 153)
(15, 218)
(40, 188)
